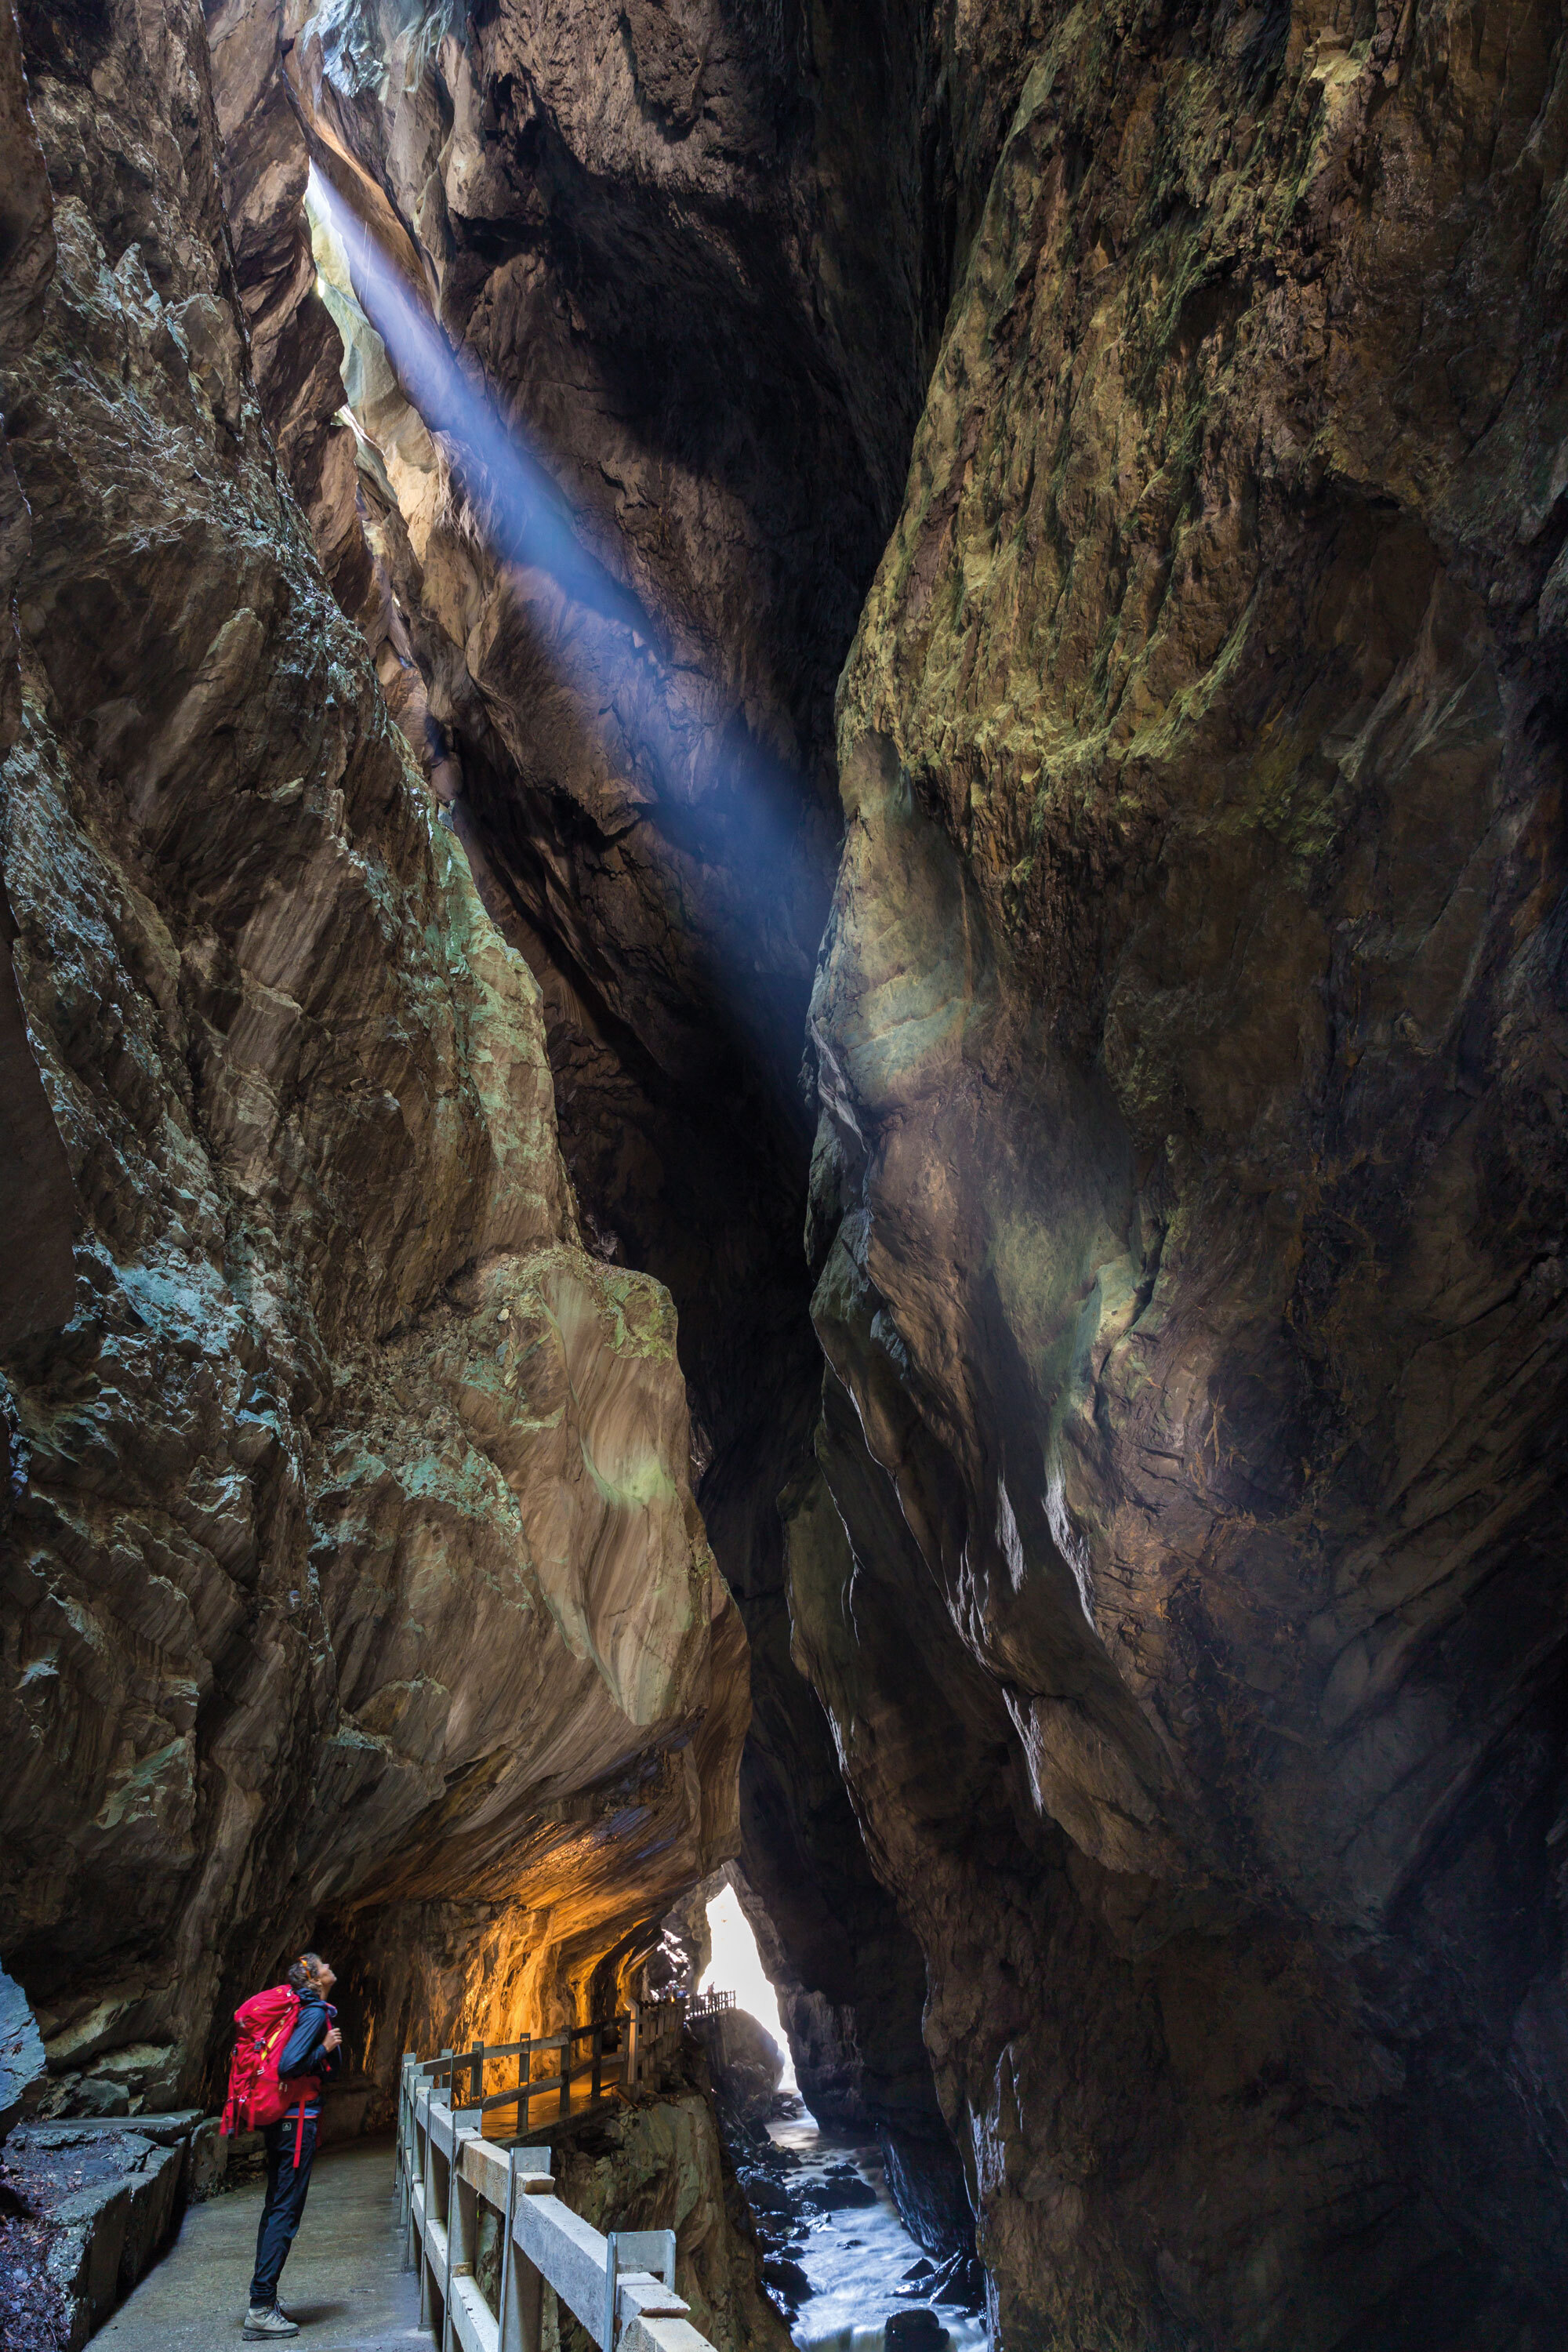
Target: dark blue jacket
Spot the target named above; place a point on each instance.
(303, 2053)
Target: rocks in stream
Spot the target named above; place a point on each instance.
(839, 2191)
(785, 2280)
(915, 2331)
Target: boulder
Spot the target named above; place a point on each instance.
(840, 2192)
(743, 2060)
(915, 2331)
(106, 2235)
(209, 2160)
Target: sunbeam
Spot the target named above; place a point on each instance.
(714, 796)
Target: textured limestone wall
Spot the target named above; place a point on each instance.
(353, 1572)
(1190, 1037)
(37, 1204)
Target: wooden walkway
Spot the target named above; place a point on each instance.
(343, 2281)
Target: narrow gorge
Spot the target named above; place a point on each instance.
(784, 1032)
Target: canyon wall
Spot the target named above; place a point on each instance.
(1156, 1608)
(1173, 1561)
(1184, 1573)
(354, 1585)
(687, 320)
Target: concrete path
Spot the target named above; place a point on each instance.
(343, 2282)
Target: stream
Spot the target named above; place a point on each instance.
(838, 2259)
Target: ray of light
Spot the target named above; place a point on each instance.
(718, 799)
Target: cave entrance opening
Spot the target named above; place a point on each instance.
(735, 1965)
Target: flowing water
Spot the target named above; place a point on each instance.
(836, 2258)
(860, 2265)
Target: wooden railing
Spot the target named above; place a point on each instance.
(708, 2004)
(624, 2055)
(621, 2287)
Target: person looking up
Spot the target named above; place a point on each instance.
(312, 2051)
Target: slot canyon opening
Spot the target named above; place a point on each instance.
(735, 1966)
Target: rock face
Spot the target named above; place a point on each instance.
(745, 2064)
(1159, 1646)
(1190, 1034)
(22, 2063)
(636, 746)
(354, 1588)
(37, 1204)
(110, 2197)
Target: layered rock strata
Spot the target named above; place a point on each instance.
(355, 1586)
(1191, 1044)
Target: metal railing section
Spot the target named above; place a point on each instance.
(621, 2287)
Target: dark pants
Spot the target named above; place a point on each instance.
(283, 2204)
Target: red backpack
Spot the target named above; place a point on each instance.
(256, 2096)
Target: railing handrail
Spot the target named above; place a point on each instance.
(640, 2034)
(710, 2004)
(447, 2168)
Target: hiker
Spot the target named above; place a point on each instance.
(311, 2051)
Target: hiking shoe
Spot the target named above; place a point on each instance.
(265, 2321)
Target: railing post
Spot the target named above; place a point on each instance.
(505, 2329)
(521, 2310)
(476, 2088)
(399, 2153)
(612, 2282)
(597, 2064)
(410, 2060)
(416, 2169)
(425, 2259)
(633, 2041)
(406, 2144)
(566, 2072)
(462, 2216)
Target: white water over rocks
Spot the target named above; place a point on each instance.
(861, 2265)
